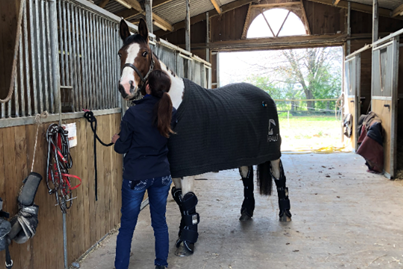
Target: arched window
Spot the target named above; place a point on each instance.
(276, 22)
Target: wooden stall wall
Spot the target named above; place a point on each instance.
(8, 29)
(400, 117)
(87, 220)
(228, 26)
(325, 19)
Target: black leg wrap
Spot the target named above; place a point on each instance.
(177, 195)
(282, 192)
(190, 220)
(248, 204)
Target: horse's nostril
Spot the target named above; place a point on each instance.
(122, 91)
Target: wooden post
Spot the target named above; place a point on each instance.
(187, 26)
(375, 23)
(207, 37)
(149, 14)
(349, 28)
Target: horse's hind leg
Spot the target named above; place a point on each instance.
(188, 234)
(248, 204)
(278, 175)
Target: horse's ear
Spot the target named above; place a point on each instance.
(124, 30)
(143, 30)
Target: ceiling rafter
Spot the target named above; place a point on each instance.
(216, 6)
(129, 13)
(157, 20)
(104, 3)
(398, 11)
(357, 7)
(336, 2)
(212, 13)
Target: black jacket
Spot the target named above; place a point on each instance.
(146, 149)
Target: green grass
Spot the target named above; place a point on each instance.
(309, 132)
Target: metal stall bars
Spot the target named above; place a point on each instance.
(84, 39)
(353, 89)
(384, 94)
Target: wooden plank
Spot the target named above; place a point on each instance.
(21, 172)
(378, 106)
(2, 177)
(202, 17)
(356, 6)
(107, 173)
(118, 171)
(351, 110)
(11, 184)
(216, 6)
(91, 182)
(104, 3)
(129, 13)
(276, 43)
(8, 29)
(102, 131)
(398, 11)
(86, 139)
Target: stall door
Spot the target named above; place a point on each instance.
(352, 75)
(384, 91)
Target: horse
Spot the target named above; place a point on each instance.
(137, 61)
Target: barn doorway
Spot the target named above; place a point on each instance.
(305, 83)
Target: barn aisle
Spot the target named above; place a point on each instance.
(343, 217)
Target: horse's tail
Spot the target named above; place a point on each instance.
(264, 179)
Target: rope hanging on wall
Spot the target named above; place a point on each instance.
(89, 116)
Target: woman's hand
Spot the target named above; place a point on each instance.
(115, 137)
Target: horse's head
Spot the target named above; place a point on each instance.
(136, 60)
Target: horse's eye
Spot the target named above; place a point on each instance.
(120, 55)
(145, 53)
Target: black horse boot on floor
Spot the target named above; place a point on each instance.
(189, 235)
(160, 267)
(248, 204)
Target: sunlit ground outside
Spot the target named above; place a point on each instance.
(312, 133)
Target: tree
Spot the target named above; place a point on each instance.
(315, 69)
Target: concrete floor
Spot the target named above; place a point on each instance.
(343, 217)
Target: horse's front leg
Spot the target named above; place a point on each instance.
(248, 204)
(186, 199)
(278, 175)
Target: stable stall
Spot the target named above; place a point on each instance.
(61, 57)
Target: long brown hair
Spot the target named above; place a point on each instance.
(160, 83)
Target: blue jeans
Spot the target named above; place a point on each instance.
(158, 189)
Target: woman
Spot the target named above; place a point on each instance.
(143, 137)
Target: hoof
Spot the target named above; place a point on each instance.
(245, 217)
(285, 216)
(183, 251)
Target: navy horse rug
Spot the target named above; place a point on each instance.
(218, 129)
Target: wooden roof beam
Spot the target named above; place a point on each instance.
(157, 20)
(398, 11)
(336, 2)
(104, 3)
(357, 7)
(127, 14)
(212, 13)
(216, 6)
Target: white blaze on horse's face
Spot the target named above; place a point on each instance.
(129, 80)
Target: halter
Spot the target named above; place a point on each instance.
(143, 79)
